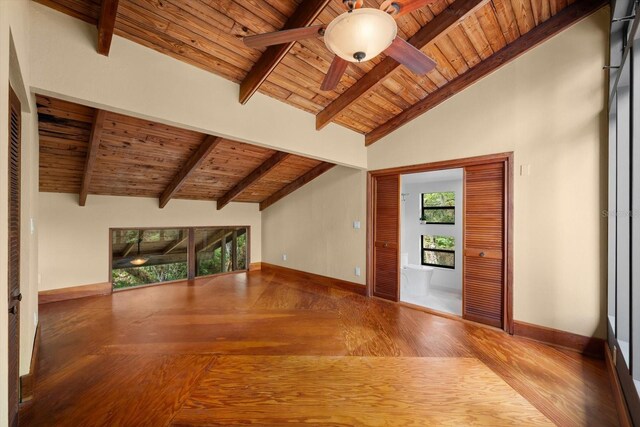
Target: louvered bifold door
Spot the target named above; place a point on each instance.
(386, 229)
(484, 254)
(14, 255)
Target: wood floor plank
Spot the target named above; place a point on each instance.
(274, 348)
(142, 390)
(354, 391)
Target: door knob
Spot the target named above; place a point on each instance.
(482, 254)
(13, 310)
(17, 297)
(385, 245)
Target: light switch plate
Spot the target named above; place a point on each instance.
(356, 225)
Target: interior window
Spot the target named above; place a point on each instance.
(145, 256)
(220, 250)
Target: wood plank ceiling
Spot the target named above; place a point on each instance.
(373, 97)
(135, 157)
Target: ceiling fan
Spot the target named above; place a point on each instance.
(359, 34)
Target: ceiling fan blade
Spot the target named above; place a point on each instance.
(412, 58)
(284, 36)
(397, 8)
(336, 70)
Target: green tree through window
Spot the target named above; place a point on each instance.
(439, 251)
(439, 208)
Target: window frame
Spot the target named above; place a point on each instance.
(436, 208)
(196, 258)
(449, 251)
(623, 315)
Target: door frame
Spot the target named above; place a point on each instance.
(507, 159)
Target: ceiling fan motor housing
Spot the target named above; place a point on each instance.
(352, 4)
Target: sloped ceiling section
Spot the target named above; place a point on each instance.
(466, 38)
(135, 157)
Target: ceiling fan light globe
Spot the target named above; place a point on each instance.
(369, 31)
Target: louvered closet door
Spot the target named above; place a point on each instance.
(14, 255)
(386, 231)
(484, 255)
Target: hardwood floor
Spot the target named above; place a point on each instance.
(269, 348)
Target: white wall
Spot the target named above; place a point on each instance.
(74, 240)
(412, 230)
(548, 107)
(141, 82)
(15, 68)
(314, 226)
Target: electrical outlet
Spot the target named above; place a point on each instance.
(358, 271)
(284, 257)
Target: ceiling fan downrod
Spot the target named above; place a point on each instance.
(392, 8)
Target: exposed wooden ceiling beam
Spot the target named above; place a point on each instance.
(127, 249)
(217, 241)
(305, 14)
(449, 17)
(293, 186)
(92, 154)
(106, 25)
(196, 159)
(175, 243)
(213, 242)
(563, 19)
(253, 177)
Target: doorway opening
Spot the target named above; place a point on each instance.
(413, 230)
(431, 212)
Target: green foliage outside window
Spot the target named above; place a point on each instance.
(438, 242)
(439, 251)
(445, 198)
(135, 276)
(210, 262)
(439, 208)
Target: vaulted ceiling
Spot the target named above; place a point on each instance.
(468, 39)
(88, 151)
